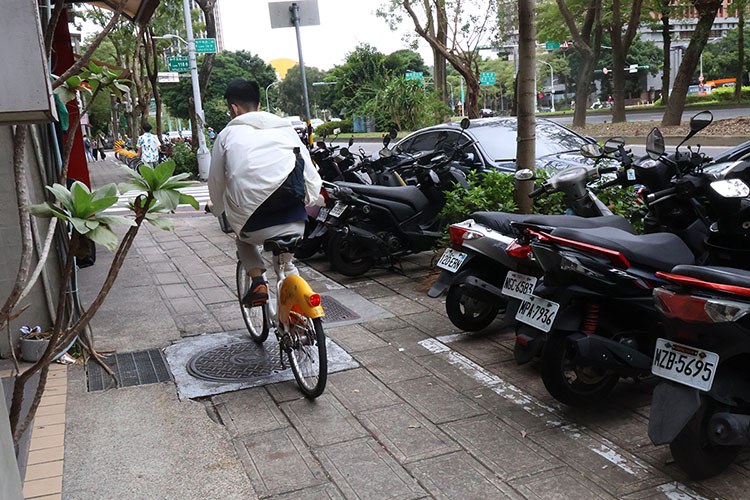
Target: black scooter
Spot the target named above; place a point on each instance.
(701, 408)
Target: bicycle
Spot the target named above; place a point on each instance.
(296, 318)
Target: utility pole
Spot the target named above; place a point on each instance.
(204, 155)
(268, 106)
(294, 9)
(551, 84)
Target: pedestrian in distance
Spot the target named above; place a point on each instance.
(87, 148)
(99, 146)
(148, 146)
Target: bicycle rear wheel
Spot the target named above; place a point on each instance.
(256, 318)
(308, 356)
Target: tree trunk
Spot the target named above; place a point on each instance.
(207, 6)
(526, 129)
(666, 37)
(472, 98)
(740, 51)
(440, 64)
(618, 76)
(582, 89)
(707, 13)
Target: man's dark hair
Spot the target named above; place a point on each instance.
(146, 127)
(243, 93)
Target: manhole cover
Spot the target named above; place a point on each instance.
(236, 362)
(336, 311)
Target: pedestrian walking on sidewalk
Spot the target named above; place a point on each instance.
(87, 148)
(148, 146)
(261, 176)
(99, 146)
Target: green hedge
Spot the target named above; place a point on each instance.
(185, 159)
(346, 126)
(723, 95)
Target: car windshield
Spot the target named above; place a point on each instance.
(498, 138)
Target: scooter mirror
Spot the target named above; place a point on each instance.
(351, 141)
(613, 144)
(393, 133)
(386, 141)
(592, 150)
(321, 144)
(525, 174)
(465, 123)
(336, 131)
(655, 144)
(701, 121)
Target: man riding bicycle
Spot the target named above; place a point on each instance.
(261, 176)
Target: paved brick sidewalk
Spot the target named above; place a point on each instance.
(431, 412)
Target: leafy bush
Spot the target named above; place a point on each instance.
(404, 105)
(494, 191)
(185, 159)
(719, 96)
(346, 126)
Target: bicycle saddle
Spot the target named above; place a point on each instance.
(282, 244)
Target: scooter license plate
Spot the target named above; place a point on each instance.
(685, 365)
(518, 285)
(451, 260)
(322, 215)
(537, 312)
(337, 209)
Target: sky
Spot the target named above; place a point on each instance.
(343, 25)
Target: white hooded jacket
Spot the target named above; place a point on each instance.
(251, 158)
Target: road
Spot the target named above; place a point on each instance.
(719, 114)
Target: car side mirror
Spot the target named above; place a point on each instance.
(592, 151)
(613, 144)
(655, 144)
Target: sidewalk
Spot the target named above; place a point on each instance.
(430, 413)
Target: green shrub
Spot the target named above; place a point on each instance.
(719, 96)
(494, 192)
(346, 127)
(185, 159)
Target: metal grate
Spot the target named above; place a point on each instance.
(236, 362)
(131, 368)
(336, 311)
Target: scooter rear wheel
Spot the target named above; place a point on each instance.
(469, 313)
(568, 381)
(693, 451)
(348, 257)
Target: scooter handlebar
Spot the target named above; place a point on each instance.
(537, 192)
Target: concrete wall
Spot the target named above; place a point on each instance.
(10, 236)
(10, 481)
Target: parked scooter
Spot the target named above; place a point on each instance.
(369, 224)
(701, 408)
(484, 270)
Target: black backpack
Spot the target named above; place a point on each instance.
(292, 190)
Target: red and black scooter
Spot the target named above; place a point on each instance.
(702, 406)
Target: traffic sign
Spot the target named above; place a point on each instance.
(487, 78)
(205, 45)
(168, 77)
(414, 75)
(605, 70)
(633, 68)
(565, 45)
(551, 45)
(700, 78)
(179, 63)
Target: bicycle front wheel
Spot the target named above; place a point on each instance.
(308, 357)
(256, 318)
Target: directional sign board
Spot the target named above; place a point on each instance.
(179, 63)
(487, 78)
(414, 75)
(551, 45)
(168, 77)
(205, 45)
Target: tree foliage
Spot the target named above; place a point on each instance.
(290, 99)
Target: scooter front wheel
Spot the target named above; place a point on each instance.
(469, 313)
(694, 452)
(569, 381)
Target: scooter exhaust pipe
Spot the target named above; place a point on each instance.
(729, 429)
(364, 236)
(601, 351)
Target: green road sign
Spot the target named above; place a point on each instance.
(551, 45)
(179, 63)
(414, 75)
(487, 78)
(205, 45)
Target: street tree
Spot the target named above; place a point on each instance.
(739, 8)
(586, 31)
(290, 98)
(469, 25)
(359, 79)
(706, 10)
(721, 59)
(404, 61)
(526, 129)
(621, 43)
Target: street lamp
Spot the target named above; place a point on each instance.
(551, 83)
(268, 106)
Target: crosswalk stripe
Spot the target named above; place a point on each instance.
(200, 193)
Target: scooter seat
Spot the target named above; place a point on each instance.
(501, 221)
(408, 195)
(721, 275)
(661, 251)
